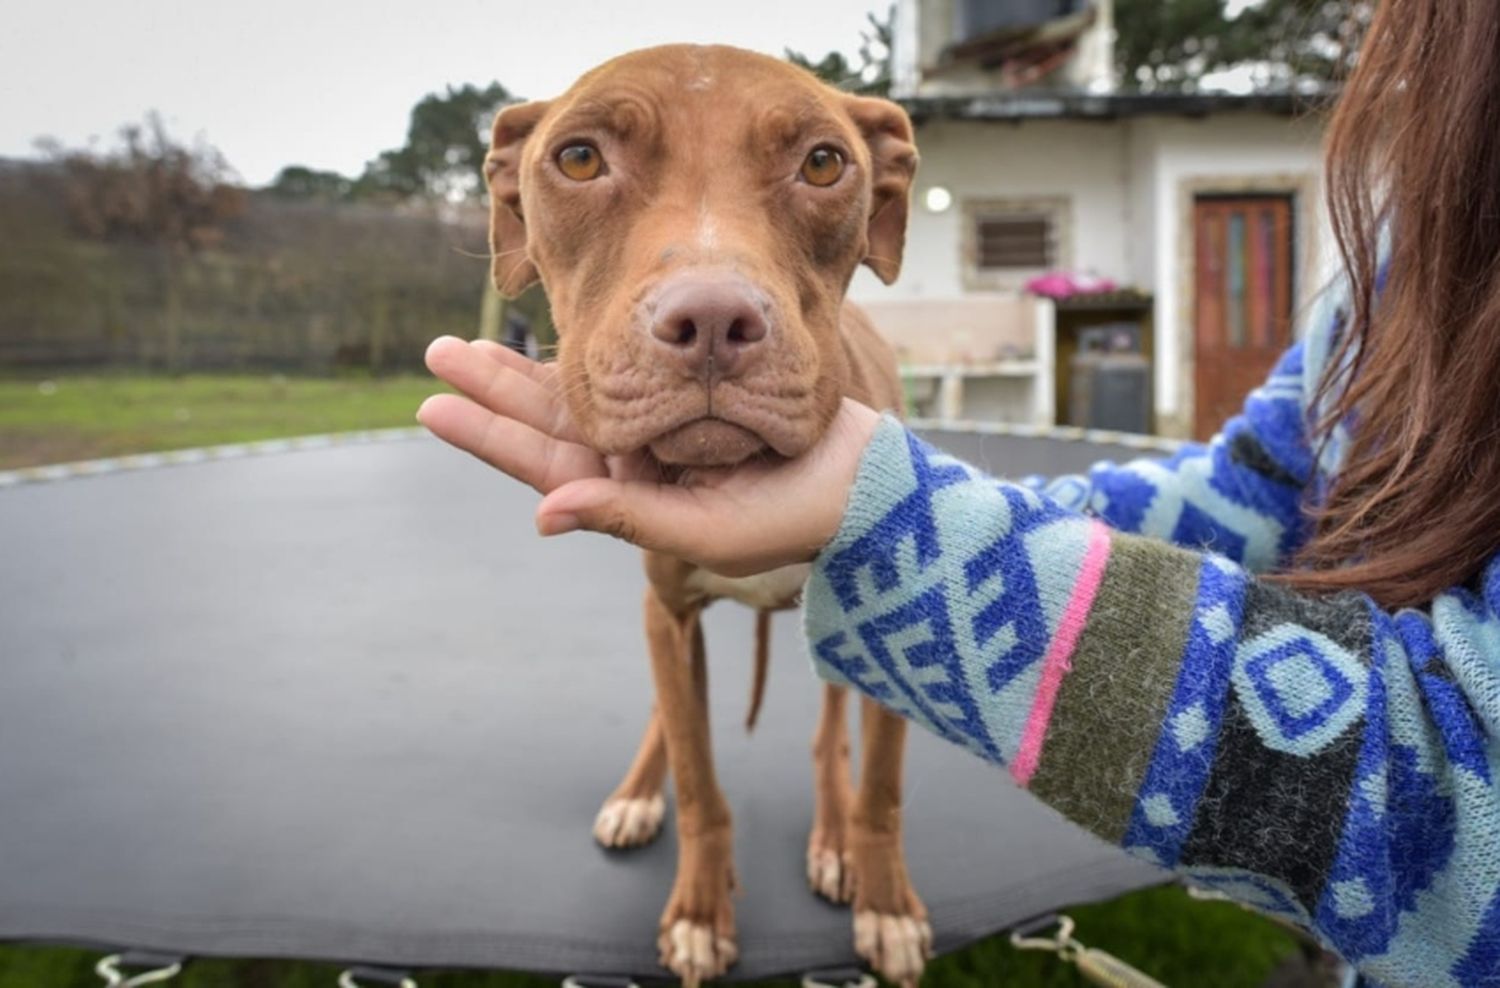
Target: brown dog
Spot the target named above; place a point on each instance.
(696, 214)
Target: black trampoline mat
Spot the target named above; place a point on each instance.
(344, 705)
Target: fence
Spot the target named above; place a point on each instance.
(295, 286)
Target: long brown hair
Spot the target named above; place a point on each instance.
(1415, 147)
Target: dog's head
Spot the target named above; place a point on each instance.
(695, 214)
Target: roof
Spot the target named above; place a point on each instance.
(1041, 105)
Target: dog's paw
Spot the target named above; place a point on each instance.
(828, 871)
(629, 822)
(897, 946)
(891, 932)
(697, 940)
(695, 952)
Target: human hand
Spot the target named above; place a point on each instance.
(735, 521)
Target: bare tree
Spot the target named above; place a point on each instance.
(157, 192)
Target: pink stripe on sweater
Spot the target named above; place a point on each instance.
(1058, 661)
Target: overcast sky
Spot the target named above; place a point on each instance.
(328, 83)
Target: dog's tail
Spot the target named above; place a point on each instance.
(762, 665)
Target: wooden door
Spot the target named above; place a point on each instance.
(1242, 301)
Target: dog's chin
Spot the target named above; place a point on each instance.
(706, 442)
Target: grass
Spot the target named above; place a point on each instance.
(75, 418)
(1179, 941)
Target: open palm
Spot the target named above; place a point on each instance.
(736, 521)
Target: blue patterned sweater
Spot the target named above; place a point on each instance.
(1105, 638)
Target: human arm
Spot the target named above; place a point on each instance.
(1322, 759)
(1240, 494)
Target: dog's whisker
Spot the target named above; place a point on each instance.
(495, 255)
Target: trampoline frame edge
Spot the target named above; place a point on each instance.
(51, 472)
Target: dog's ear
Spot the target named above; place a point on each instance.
(893, 162)
(509, 265)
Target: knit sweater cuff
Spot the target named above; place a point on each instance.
(956, 599)
(883, 479)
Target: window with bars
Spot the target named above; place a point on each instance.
(1007, 241)
(1015, 241)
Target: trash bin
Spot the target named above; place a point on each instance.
(1110, 380)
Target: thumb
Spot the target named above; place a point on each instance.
(653, 516)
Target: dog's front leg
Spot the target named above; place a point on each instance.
(632, 814)
(697, 938)
(890, 923)
(828, 871)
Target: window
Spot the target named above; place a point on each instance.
(977, 18)
(1009, 241)
(1020, 240)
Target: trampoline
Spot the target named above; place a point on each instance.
(332, 699)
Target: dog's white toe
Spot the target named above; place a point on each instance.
(828, 874)
(896, 946)
(629, 822)
(694, 953)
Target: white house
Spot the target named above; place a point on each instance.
(1205, 209)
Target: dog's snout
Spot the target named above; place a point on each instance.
(709, 323)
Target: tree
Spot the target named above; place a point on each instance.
(157, 192)
(301, 182)
(872, 76)
(152, 189)
(446, 141)
(1170, 45)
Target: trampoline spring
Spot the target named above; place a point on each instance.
(157, 969)
(1096, 966)
(1109, 971)
(360, 977)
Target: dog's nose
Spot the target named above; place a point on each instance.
(709, 323)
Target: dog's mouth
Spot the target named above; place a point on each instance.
(709, 441)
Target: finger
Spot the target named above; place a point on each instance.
(491, 375)
(639, 512)
(500, 387)
(528, 455)
(686, 522)
(540, 372)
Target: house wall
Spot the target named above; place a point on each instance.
(1140, 205)
(1130, 184)
(1084, 162)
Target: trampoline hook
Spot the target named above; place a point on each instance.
(358, 977)
(158, 968)
(843, 977)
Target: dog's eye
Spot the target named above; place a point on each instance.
(580, 162)
(823, 166)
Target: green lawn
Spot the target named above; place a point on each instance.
(1179, 941)
(51, 420)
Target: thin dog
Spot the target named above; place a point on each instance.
(695, 215)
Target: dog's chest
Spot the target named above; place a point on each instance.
(774, 590)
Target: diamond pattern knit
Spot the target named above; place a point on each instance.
(1104, 637)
